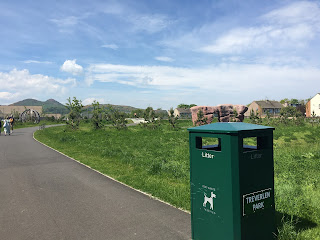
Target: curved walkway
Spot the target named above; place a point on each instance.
(45, 195)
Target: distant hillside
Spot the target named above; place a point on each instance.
(121, 108)
(49, 106)
(53, 106)
(28, 102)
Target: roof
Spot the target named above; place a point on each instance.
(314, 96)
(184, 110)
(228, 127)
(269, 104)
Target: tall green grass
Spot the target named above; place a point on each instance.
(157, 162)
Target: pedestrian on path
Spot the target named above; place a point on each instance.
(11, 119)
(6, 126)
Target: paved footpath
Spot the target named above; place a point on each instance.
(45, 195)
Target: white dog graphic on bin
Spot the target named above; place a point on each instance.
(209, 200)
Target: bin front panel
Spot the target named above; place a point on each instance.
(257, 191)
(211, 189)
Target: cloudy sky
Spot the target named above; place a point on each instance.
(159, 53)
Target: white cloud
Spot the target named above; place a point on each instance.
(72, 67)
(111, 46)
(295, 13)
(20, 83)
(8, 95)
(89, 101)
(226, 78)
(66, 22)
(37, 62)
(164, 59)
(286, 28)
(149, 23)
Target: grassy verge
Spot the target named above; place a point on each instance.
(157, 162)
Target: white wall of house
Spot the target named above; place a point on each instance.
(176, 113)
(315, 105)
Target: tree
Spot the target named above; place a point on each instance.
(149, 116)
(285, 100)
(201, 120)
(137, 113)
(117, 118)
(234, 116)
(183, 105)
(313, 118)
(254, 117)
(288, 111)
(294, 101)
(75, 108)
(172, 119)
(96, 119)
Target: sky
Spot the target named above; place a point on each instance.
(159, 53)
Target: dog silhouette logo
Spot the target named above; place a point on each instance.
(209, 200)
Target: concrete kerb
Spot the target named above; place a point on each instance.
(111, 178)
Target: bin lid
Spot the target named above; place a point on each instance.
(228, 127)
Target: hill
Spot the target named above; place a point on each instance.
(53, 106)
(28, 102)
(49, 106)
(121, 108)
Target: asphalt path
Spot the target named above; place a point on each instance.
(45, 195)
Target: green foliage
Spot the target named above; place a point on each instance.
(314, 119)
(96, 119)
(289, 111)
(136, 113)
(255, 118)
(74, 117)
(201, 120)
(150, 118)
(117, 118)
(183, 105)
(234, 116)
(16, 115)
(285, 100)
(173, 121)
(294, 101)
(291, 115)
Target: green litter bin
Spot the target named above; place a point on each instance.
(232, 184)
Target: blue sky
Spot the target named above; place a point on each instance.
(159, 53)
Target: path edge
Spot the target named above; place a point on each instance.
(111, 178)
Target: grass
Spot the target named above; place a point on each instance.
(157, 162)
(19, 124)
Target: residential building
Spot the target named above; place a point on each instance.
(182, 112)
(55, 115)
(313, 106)
(264, 107)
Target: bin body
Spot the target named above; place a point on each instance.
(232, 186)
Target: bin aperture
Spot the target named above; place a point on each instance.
(208, 143)
(231, 178)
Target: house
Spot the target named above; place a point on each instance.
(55, 115)
(182, 112)
(313, 106)
(264, 107)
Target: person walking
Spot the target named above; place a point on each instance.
(6, 126)
(11, 119)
